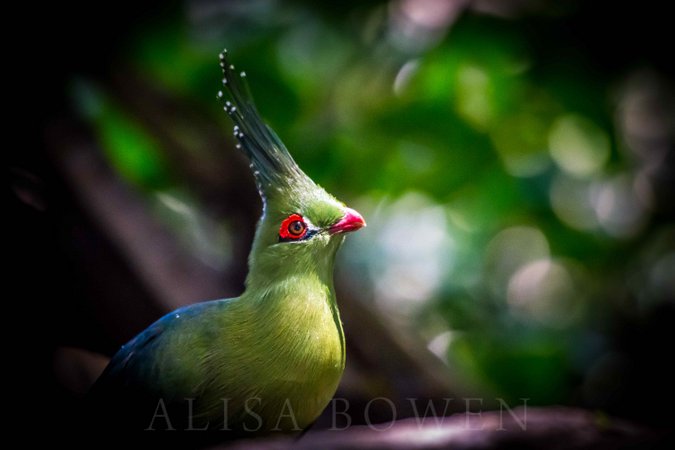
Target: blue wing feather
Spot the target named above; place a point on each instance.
(130, 382)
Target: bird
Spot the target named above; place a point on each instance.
(269, 360)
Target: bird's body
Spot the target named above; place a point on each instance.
(241, 349)
(268, 360)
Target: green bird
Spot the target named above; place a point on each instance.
(268, 360)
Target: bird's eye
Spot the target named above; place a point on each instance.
(296, 228)
(293, 227)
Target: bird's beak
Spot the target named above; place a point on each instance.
(351, 221)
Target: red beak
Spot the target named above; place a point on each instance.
(351, 221)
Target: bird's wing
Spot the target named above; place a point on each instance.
(123, 366)
(136, 377)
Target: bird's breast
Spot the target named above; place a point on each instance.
(302, 351)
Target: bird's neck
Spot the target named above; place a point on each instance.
(272, 266)
(298, 294)
(286, 287)
(311, 271)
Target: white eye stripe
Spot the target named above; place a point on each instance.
(308, 223)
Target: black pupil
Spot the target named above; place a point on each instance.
(296, 227)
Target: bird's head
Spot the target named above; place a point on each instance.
(302, 225)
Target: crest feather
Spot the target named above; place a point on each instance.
(272, 164)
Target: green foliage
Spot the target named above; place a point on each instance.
(129, 148)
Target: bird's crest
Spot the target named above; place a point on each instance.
(272, 164)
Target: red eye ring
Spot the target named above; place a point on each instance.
(293, 227)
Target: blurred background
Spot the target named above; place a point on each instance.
(513, 158)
